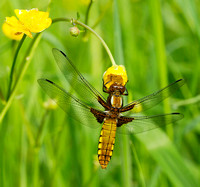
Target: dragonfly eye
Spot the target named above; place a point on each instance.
(113, 88)
(122, 89)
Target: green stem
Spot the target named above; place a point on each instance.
(138, 165)
(26, 60)
(13, 65)
(28, 126)
(55, 20)
(41, 130)
(105, 9)
(87, 15)
(99, 37)
(88, 11)
(92, 31)
(2, 97)
(38, 143)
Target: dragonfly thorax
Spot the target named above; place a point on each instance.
(115, 99)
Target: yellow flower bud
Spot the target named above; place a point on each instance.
(50, 105)
(115, 74)
(74, 31)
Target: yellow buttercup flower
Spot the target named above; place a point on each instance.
(115, 74)
(29, 21)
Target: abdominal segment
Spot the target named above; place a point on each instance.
(106, 141)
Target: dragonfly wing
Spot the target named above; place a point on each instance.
(140, 124)
(81, 86)
(151, 100)
(79, 111)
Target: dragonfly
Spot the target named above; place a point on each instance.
(93, 110)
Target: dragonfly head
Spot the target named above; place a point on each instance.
(117, 89)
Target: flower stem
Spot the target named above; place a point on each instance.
(105, 9)
(87, 12)
(92, 31)
(39, 138)
(26, 61)
(61, 19)
(99, 37)
(13, 65)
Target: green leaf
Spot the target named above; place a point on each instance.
(168, 158)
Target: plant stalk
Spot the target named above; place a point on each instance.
(13, 65)
(92, 31)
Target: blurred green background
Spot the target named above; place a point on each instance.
(158, 42)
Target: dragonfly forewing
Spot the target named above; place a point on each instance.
(150, 101)
(80, 111)
(78, 83)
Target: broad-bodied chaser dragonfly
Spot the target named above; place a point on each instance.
(110, 113)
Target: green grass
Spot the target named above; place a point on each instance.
(158, 42)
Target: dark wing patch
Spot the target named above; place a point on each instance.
(99, 115)
(145, 123)
(124, 120)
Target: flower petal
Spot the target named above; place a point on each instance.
(14, 22)
(11, 32)
(18, 26)
(34, 20)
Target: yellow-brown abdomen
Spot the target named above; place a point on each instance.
(106, 141)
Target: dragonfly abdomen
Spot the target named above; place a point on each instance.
(106, 141)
